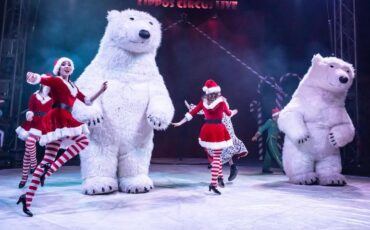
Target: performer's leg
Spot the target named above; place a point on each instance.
(81, 141)
(33, 159)
(51, 151)
(275, 153)
(233, 170)
(29, 151)
(209, 157)
(216, 166)
(266, 162)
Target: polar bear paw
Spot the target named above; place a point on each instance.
(305, 179)
(157, 123)
(335, 179)
(336, 139)
(136, 184)
(95, 121)
(99, 185)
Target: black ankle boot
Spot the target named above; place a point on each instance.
(214, 189)
(220, 181)
(209, 166)
(42, 177)
(22, 199)
(233, 172)
(22, 184)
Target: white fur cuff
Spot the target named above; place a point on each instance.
(188, 116)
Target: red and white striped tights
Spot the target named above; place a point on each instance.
(29, 158)
(51, 150)
(216, 170)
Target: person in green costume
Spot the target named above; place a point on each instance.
(272, 150)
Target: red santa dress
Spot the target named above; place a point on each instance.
(59, 122)
(39, 106)
(213, 134)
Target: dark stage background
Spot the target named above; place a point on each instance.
(273, 37)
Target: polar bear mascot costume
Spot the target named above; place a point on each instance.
(136, 102)
(316, 123)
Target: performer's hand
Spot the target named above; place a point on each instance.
(187, 105)
(234, 112)
(255, 137)
(29, 116)
(31, 77)
(244, 154)
(176, 124)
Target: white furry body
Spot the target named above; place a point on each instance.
(135, 102)
(316, 124)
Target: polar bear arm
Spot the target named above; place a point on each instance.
(292, 124)
(160, 104)
(343, 133)
(88, 83)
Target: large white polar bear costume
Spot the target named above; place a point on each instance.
(135, 103)
(316, 124)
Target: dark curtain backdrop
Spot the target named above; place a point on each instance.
(273, 37)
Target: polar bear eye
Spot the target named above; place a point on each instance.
(132, 18)
(331, 66)
(151, 23)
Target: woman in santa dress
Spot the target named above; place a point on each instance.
(238, 148)
(58, 124)
(213, 134)
(30, 131)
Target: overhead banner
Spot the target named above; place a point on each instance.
(191, 4)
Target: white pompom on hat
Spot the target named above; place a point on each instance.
(210, 86)
(59, 62)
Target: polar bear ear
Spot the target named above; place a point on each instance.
(112, 14)
(316, 58)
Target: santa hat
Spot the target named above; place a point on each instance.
(59, 62)
(275, 111)
(211, 87)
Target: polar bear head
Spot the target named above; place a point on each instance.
(330, 74)
(133, 31)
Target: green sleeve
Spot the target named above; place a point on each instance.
(265, 126)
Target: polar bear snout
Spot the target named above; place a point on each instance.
(144, 34)
(343, 79)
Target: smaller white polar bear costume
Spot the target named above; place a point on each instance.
(135, 102)
(316, 123)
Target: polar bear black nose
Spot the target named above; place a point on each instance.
(144, 34)
(343, 80)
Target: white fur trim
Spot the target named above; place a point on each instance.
(215, 145)
(216, 89)
(73, 90)
(41, 99)
(63, 132)
(22, 133)
(188, 116)
(88, 101)
(35, 132)
(59, 63)
(213, 104)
